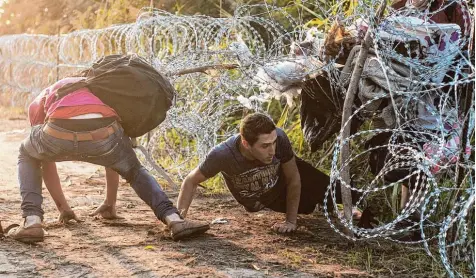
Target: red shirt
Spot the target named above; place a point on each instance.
(79, 102)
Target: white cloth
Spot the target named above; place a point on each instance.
(32, 220)
(87, 116)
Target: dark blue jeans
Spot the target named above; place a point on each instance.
(114, 152)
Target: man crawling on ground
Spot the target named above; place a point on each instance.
(261, 171)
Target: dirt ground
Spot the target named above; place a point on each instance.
(139, 245)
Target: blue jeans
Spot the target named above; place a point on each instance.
(114, 152)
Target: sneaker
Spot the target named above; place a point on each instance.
(186, 228)
(30, 231)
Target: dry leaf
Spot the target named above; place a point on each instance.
(149, 247)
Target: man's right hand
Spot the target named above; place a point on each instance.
(284, 227)
(187, 191)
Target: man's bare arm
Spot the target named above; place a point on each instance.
(187, 191)
(108, 207)
(293, 195)
(53, 184)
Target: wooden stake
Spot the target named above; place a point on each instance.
(347, 112)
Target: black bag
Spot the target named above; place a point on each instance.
(134, 89)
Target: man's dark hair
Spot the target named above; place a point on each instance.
(255, 124)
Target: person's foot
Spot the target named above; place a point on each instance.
(356, 213)
(186, 228)
(30, 231)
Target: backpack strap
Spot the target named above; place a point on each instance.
(69, 88)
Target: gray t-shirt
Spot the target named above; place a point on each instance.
(252, 183)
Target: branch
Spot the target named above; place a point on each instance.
(154, 165)
(203, 69)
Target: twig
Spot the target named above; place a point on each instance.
(204, 69)
(156, 167)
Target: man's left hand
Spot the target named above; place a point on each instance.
(284, 227)
(106, 211)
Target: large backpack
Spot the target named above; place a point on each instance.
(134, 89)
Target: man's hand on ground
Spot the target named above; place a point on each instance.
(284, 227)
(106, 211)
(68, 215)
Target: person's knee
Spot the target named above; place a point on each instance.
(23, 154)
(21, 150)
(132, 173)
(137, 174)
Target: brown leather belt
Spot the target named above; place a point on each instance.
(98, 134)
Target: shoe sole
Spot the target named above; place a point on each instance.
(189, 232)
(30, 239)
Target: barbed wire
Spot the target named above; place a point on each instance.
(411, 92)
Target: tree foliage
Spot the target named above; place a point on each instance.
(53, 16)
(49, 16)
